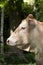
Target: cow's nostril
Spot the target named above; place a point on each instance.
(7, 41)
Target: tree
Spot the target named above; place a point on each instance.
(2, 25)
(2, 4)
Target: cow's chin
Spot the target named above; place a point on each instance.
(23, 47)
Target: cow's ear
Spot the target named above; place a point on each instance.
(29, 16)
(11, 31)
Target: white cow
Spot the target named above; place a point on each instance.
(29, 37)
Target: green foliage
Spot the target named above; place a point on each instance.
(1, 59)
(27, 9)
(6, 48)
(30, 57)
(41, 10)
(2, 3)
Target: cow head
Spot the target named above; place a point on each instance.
(24, 34)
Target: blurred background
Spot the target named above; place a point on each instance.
(11, 14)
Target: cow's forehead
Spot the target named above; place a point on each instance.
(24, 23)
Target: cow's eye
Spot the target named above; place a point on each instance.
(23, 28)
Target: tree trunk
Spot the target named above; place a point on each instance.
(2, 25)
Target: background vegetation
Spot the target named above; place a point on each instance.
(14, 12)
